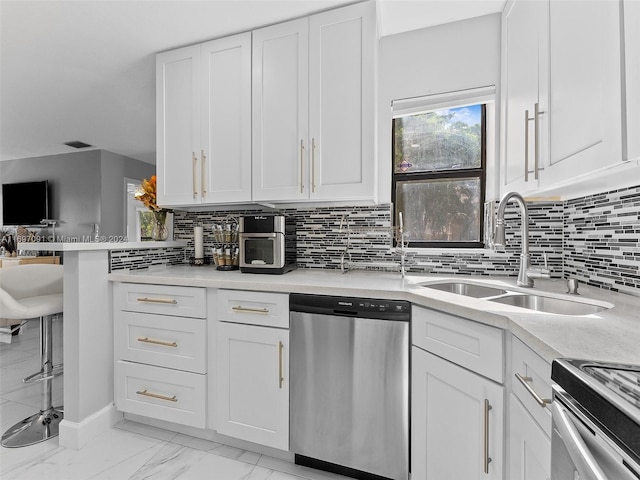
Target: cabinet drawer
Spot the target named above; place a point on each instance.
(161, 393)
(470, 344)
(161, 299)
(254, 308)
(536, 373)
(161, 340)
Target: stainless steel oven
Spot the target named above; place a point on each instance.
(596, 421)
(267, 244)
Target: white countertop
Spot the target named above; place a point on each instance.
(610, 335)
(81, 246)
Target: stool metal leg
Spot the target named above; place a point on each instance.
(39, 376)
(44, 424)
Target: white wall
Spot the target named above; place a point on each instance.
(74, 187)
(445, 58)
(115, 168)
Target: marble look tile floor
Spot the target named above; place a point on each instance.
(129, 450)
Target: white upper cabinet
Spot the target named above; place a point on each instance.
(585, 101)
(226, 119)
(313, 107)
(632, 70)
(280, 111)
(562, 64)
(524, 87)
(341, 112)
(203, 123)
(178, 125)
(281, 114)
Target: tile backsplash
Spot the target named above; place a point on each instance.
(322, 239)
(595, 239)
(602, 239)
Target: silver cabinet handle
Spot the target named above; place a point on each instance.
(169, 301)
(193, 173)
(203, 177)
(536, 123)
(536, 139)
(242, 309)
(313, 165)
(582, 459)
(157, 342)
(543, 402)
(157, 395)
(301, 166)
(487, 459)
(280, 365)
(526, 145)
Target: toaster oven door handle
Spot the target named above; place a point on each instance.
(583, 461)
(258, 235)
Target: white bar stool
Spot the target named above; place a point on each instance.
(34, 291)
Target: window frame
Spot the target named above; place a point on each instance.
(480, 172)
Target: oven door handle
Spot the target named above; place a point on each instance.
(583, 460)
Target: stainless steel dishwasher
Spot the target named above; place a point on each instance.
(349, 374)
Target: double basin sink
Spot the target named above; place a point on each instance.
(530, 301)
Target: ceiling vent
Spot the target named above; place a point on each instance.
(78, 144)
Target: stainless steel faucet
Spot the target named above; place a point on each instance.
(345, 258)
(402, 250)
(526, 274)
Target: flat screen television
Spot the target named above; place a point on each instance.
(25, 203)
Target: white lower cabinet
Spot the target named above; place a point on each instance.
(160, 352)
(253, 375)
(529, 446)
(529, 430)
(162, 393)
(457, 415)
(457, 421)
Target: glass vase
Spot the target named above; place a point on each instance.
(159, 231)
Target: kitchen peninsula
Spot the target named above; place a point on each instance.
(88, 334)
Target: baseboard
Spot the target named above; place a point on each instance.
(75, 435)
(212, 436)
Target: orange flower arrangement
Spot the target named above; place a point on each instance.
(147, 195)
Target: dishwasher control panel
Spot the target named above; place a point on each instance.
(351, 306)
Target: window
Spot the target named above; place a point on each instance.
(439, 170)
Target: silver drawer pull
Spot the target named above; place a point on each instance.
(157, 342)
(543, 402)
(240, 308)
(157, 300)
(157, 395)
(485, 451)
(280, 365)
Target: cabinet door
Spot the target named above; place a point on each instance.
(524, 57)
(341, 102)
(226, 120)
(178, 126)
(456, 416)
(585, 89)
(529, 446)
(632, 70)
(280, 111)
(253, 384)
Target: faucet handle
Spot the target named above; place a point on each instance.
(546, 260)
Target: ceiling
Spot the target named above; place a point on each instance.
(85, 69)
